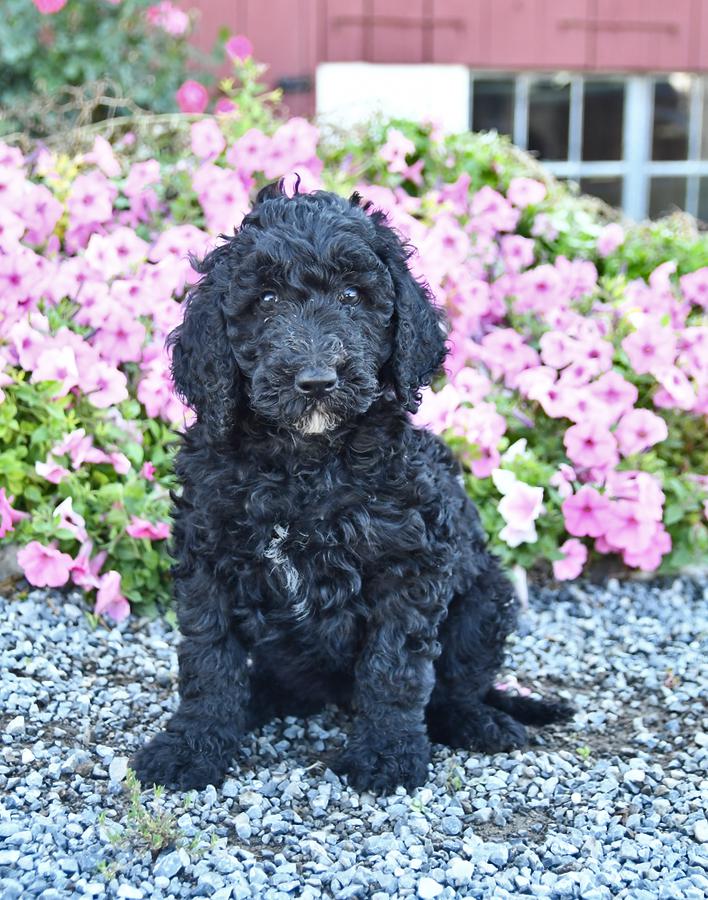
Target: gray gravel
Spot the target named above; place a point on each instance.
(610, 805)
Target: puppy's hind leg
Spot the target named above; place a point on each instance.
(528, 710)
(465, 709)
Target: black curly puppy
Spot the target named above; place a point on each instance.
(325, 548)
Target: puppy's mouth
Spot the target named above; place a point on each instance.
(317, 420)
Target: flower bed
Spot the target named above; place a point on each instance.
(577, 382)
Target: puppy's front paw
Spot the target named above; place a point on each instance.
(381, 765)
(170, 760)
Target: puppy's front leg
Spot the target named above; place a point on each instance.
(394, 677)
(200, 739)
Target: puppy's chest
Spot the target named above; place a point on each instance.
(305, 540)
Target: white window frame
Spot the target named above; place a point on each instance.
(637, 167)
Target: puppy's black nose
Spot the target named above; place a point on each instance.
(316, 382)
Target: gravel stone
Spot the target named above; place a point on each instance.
(118, 768)
(610, 804)
(700, 830)
(429, 888)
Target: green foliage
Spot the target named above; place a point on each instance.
(88, 41)
(32, 421)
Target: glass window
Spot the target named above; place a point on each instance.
(703, 200)
(549, 109)
(607, 189)
(603, 120)
(493, 105)
(704, 136)
(666, 195)
(671, 110)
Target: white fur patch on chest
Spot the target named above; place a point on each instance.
(284, 567)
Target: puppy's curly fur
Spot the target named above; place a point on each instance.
(325, 548)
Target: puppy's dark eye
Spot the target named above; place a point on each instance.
(349, 295)
(269, 297)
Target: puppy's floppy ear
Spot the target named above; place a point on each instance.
(419, 326)
(204, 369)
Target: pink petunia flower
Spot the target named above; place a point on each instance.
(615, 393)
(79, 446)
(597, 355)
(575, 556)
(627, 527)
(140, 176)
(102, 155)
(525, 192)
(119, 461)
(492, 212)
(109, 599)
(517, 252)
(142, 528)
(520, 506)
(649, 559)
(676, 390)
(119, 338)
(168, 17)
(586, 513)
(40, 212)
(48, 7)
(638, 430)
(207, 139)
(695, 287)
(11, 230)
(85, 569)
(90, 199)
(8, 515)
(238, 46)
(51, 470)
(563, 479)
(44, 566)
(591, 444)
(395, 150)
(641, 488)
(71, 520)
(192, 97)
(224, 107)
(147, 470)
(249, 152)
(650, 347)
(105, 385)
(610, 238)
(57, 364)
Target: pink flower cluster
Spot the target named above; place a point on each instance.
(625, 519)
(605, 376)
(169, 17)
(581, 372)
(46, 566)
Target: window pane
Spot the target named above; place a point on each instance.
(703, 201)
(549, 108)
(671, 108)
(603, 118)
(493, 105)
(607, 189)
(666, 196)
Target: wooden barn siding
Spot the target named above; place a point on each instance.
(293, 36)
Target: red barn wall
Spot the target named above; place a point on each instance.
(293, 36)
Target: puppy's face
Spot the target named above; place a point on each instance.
(305, 316)
(310, 320)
